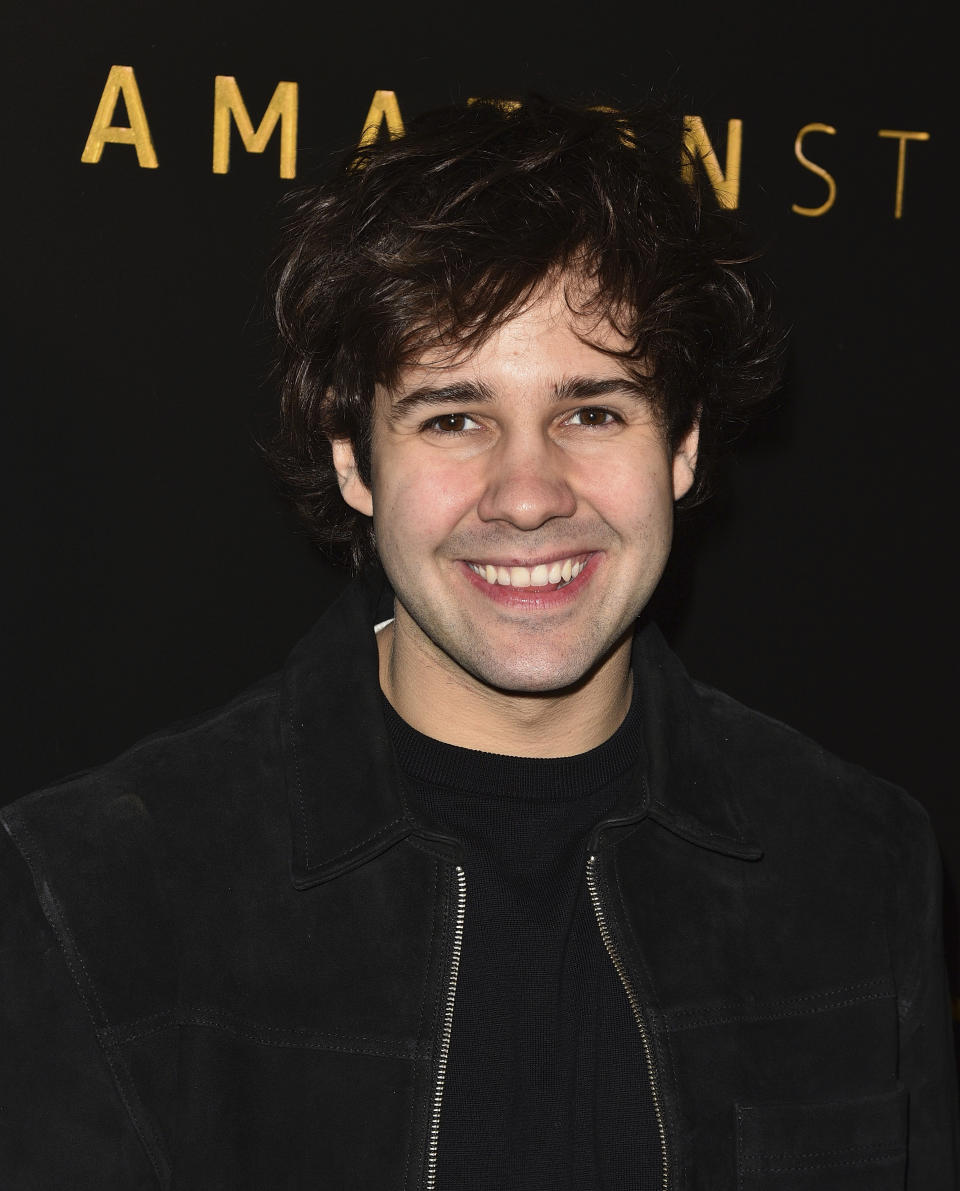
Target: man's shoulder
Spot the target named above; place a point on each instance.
(114, 865)
(161, 788)
(789, 782)
(210, 793)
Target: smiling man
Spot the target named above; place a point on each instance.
(482, 891)
(528, 491)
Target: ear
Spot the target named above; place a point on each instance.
(685, 462)
(353, 490)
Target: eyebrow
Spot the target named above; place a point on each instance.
(465, 392)
(582, 388)
(468, 392)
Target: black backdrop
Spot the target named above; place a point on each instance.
(152, 571)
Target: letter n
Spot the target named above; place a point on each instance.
(120, 81)
(725, 183)
(227, 102)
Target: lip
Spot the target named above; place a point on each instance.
(546, 599)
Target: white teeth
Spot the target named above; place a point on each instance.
(542, 575)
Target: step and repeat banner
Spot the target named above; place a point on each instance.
(152, 570)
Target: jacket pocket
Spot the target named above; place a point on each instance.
(840, 1145)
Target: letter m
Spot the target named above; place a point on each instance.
(228, 102)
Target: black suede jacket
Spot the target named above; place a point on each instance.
(230, 956)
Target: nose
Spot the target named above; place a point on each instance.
(527, 484)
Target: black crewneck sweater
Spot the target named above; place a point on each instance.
(546, 1086)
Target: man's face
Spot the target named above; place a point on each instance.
(522, 499)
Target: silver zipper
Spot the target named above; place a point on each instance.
(638, 1015)
(433, 1135)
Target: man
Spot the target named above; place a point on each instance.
(482, 891)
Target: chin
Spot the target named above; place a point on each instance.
(530, 676)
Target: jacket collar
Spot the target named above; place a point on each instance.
(689, 786)
(342, 778)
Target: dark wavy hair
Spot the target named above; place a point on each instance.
(440, 236)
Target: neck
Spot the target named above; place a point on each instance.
(441, 700)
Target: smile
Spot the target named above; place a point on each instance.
(553, 574)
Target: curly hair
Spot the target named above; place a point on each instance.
(442, 235)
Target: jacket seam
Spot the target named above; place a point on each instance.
(739, 1143)
(818, 1104)
(345, 855)
(300, 802)
(687, 822)
(829, 1153)
(752, 1017)
(369, 840)
(880, 1156)
(283, 1036)
(122, 1080)
(824, 994)
(911, 993)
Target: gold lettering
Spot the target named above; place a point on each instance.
(505, 105)
(120, 81)
(805, 161)
(227, 102)
(627, 137)
(511, 105)
(383, 109)
(725, 183)
(902, 137)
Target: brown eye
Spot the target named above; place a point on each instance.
(592, 415)
(451, 423)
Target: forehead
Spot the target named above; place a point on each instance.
(552, 337)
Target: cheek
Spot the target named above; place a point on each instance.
(420, 502)
(631, 492)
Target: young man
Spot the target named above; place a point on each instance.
(482, 891)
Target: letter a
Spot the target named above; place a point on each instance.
(384, 109)
(120, 80)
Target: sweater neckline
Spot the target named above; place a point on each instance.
(469, 771)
